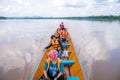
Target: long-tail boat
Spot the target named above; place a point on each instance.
(72, 67)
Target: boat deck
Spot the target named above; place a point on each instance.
(70, 69)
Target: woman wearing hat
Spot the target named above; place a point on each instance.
(53, 67)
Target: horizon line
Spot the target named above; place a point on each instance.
(60, 16)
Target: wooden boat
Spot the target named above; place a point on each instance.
(72, 72)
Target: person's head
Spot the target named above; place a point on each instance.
(53, 54)
(53, 37)
(63, 29)
(57, 37)
(61, 22)
(58, 29)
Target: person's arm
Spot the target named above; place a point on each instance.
(68, 36)
(59, 74)
(60, 44)
(48, 46)
(45, 74)
(61, 71)
(60, 34)
(45, 70)
(63, 26)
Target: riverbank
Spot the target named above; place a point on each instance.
(93, 18)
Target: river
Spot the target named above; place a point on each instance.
(97, 44)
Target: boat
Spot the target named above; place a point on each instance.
(72, 67)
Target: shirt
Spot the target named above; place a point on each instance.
(61, 25)
(53, 69)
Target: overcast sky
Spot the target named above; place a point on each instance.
(59, 7)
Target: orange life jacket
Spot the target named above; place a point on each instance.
(55, 44)
(58, 61)
(56, 34)
(64, 34)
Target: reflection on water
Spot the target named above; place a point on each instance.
(22, 41)
(99, 44)
(21, 44)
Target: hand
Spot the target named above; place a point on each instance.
(47, 78)
(44, 50)
(55, 78)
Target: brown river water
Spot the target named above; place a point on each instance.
(97, 44)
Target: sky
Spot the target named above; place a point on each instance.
(59, 8)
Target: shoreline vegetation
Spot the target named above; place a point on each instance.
(101, 18)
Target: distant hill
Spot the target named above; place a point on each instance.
(72, 18)
(2, 17)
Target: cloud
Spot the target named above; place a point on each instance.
(19, 1)
(118, 1)
(75, 6)
(70, 3)
(59, 7)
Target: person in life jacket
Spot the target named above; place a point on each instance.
(57, 33)
(64, 35)
(55, 44)
(65, 52)
(53, 67)
(62, 25)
